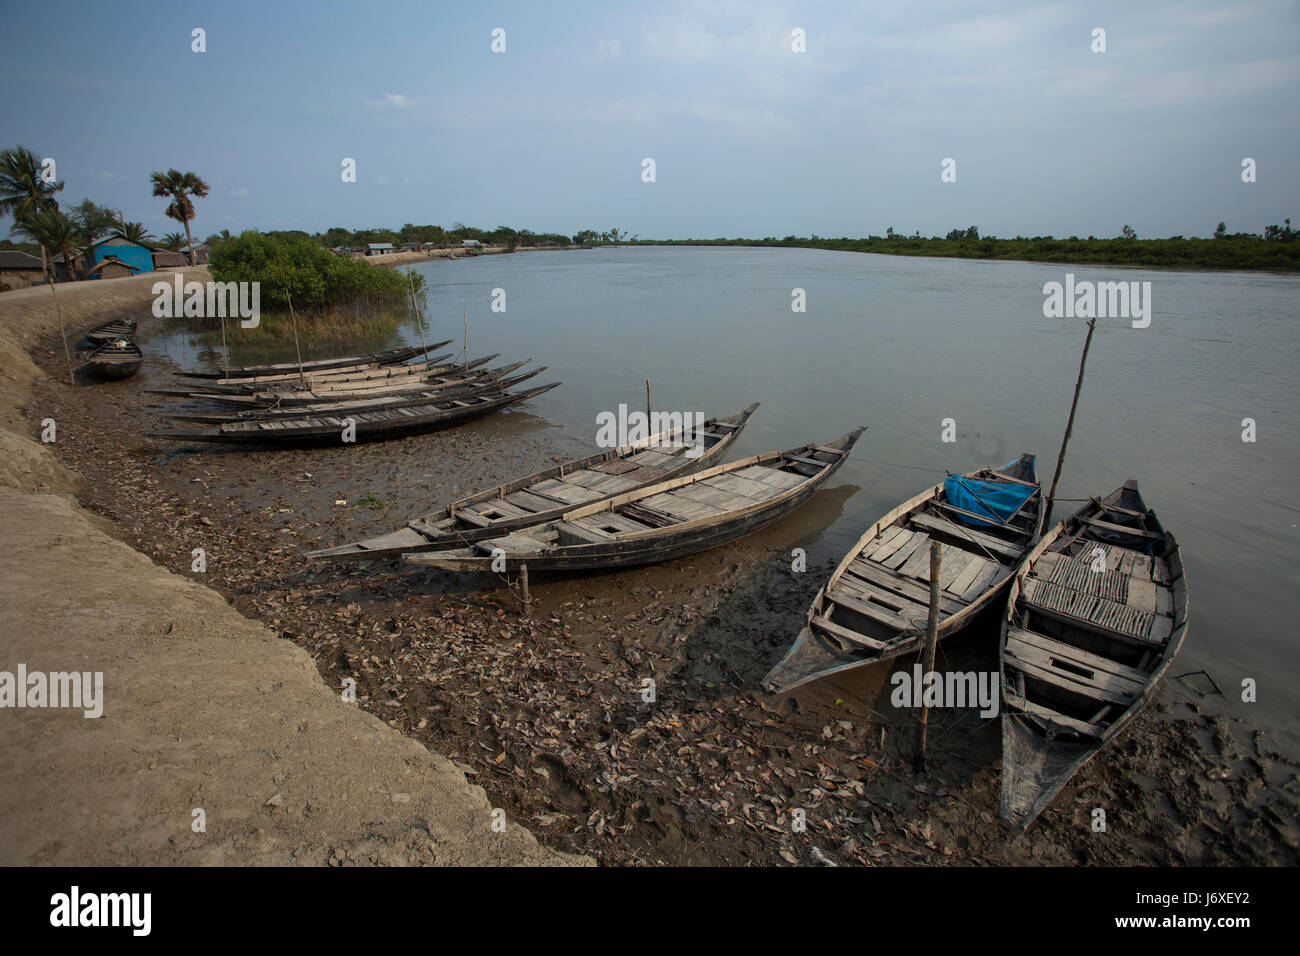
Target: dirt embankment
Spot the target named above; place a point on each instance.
(218, 743)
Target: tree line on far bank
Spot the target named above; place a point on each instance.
(1276, 248)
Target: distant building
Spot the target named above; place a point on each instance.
(111, 268)
(162, 259)
(410, 247)
(379, 248)
(471, 244)
(19, 270)
(132, 254)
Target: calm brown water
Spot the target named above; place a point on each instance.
(901, 344)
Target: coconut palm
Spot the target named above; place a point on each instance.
(53, 231)
(172, 242)
(179, 187)
(23, 190)
(134, 232)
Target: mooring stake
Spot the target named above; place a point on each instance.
(927, 656)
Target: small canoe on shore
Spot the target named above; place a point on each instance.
(283, 412)
(671, 519)
(876, 604)
(110, 331)
(548, 494)
(328, 429)
(118, 359)
(1094, 620)
(388, 357)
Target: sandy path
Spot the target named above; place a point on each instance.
(203, 709)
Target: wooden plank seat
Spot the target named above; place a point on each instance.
(611, 523)
(823, 623)
(1016, 702)
(872, 575)
(512, 543)
(737, 484)
(532, 502)
(771, 476)
(874, 607)
(566, 492)
(969, 536)
(1073, 668)
(1119, 528)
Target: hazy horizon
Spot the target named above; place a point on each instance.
(749, 137)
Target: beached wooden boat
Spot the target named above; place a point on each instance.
(120, 358)
(876, 603)
(110, 331)
(548, 494)
(387, 357)
(327, 429)
(1094, 620)
(283, 412)
(439, 376)
(667, 520)
(341, 378)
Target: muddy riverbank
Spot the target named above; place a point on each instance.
(545, 709)
(217, 741)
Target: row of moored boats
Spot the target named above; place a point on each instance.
(358, 398)
(1097, 607)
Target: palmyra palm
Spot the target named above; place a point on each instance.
(179, 187)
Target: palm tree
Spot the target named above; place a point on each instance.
(173, 242)
(54, 232)
(179, 187)
(23, 191)
(134, 232)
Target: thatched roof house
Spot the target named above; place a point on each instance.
(19, 270)
(162, 259)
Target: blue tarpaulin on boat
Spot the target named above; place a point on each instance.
(997, 499)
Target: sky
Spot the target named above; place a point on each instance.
(749, 137)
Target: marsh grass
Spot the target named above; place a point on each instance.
(363, 323)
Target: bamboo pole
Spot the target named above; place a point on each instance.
(302, 379)
(1069, 425)
(67, 354)
(467, 339)
(647, 403)
(927, 656)
(410, 275)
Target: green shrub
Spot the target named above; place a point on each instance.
(298, 267)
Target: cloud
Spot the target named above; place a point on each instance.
(610, 49)
(240, 192)
(392, 101)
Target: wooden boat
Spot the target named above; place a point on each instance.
(548, 494)
(876, 604)
(327, 429)
(373, 359)
(348, 377)
(283, 412)
(110, 331)
(661, 522)
(294, 378)
(120, 358)
(1094, 620)
(437, 377)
